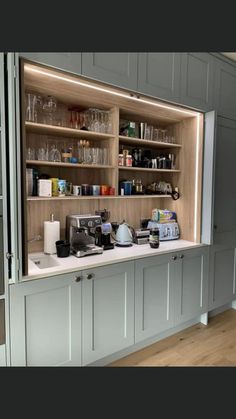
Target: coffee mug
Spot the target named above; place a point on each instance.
(76, 190)
(127, 186)
(95, 189)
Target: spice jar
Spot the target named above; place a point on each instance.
(128, 160)
(121, 160)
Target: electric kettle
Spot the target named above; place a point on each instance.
(124, 236)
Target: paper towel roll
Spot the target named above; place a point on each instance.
(51, 235)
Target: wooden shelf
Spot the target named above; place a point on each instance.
(154, 144)
(144, 169)
(62, 198)
(71, 165)
(66, 132)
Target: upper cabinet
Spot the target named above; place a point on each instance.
(197, 77)
(225, 192)
(116, 68)
(159, 75)
(225, 89)
(69, 61)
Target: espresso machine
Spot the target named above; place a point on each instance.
(103, 232)
(81, 232)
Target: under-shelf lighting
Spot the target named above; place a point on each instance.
(105, 90)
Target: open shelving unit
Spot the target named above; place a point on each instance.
(185, 125)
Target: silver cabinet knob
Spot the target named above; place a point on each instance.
(90, 276)
(174, 257)
(181, 256)
(78, 278)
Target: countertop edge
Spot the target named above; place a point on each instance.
(109, 262)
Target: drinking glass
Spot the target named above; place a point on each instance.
(49, 108)
(54, 154)
(148, 132)
(33, 105)
(103, 125)
(96, 121)
(41, 154)
(30, 153)
(156, 134)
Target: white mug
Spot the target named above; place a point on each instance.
(76, 189)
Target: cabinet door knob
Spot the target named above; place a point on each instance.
(78, 278)
(174, 257)
(90, 276)
(181, 256)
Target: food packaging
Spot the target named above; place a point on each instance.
(45, 187)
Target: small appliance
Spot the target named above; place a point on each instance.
(80, 232)
(167, 231)
(124, 235)
(141, 235)
(103, 232)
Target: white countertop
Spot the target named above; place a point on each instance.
(118, 254)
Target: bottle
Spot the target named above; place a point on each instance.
(131, 129)
(154, 237)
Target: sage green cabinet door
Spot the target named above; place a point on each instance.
(191, 284)
(118, 68)
(197, 79)
(225, 191)
(153, 296)
(69, 61)
(45, 318)
(222, 276)
(159, 75)
(225, 89)
(108, 310)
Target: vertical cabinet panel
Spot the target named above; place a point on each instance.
(191, 284)
(1, 252)
(225, 89)
(46, 322)
(108, 311)
(225, 192)
(118, 68)
(153, 296)
(69, 61)
(197, 78)
(159, 75)
(2, 322)
(222, 276)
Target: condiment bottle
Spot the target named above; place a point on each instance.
(154, 237)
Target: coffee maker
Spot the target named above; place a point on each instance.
(80, 232)
(103, 232)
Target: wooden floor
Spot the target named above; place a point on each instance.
(199, 345)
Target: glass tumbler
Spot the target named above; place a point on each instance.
(33, 104)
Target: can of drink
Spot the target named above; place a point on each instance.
(61, 187)
(54, 186)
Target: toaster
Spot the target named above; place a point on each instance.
(167, 231)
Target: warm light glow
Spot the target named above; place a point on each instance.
(105, 90)
(196, 178)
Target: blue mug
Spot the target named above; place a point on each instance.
(127, 186)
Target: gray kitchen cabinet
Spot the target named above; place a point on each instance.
(225, 89)
(197, 80)
(222, 276)
(159, 75)
(1, 252)
(118, 68)
(107, 310)
(190, 284)
(153, 296)
(69, 61)
(45, 318)
(225, 191)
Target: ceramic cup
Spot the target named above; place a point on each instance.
(96, 190)
(76, 189)
(86, 189)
